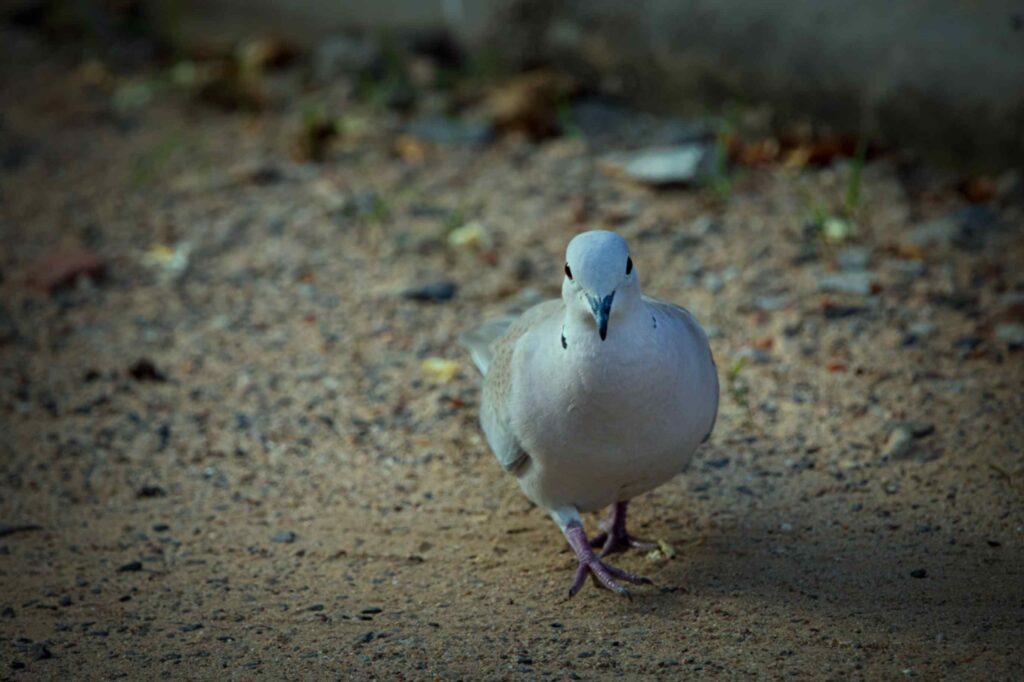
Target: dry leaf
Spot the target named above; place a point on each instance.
(440, 369)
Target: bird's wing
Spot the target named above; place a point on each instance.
(699, 338)
(479, 340)
(498, 384)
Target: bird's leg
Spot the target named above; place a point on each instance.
(614, 536)
(603, 574)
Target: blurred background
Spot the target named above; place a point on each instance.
(238, 241)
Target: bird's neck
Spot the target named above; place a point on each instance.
(626, 329)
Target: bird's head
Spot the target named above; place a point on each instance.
(600, 280)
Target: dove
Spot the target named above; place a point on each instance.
(595, 398)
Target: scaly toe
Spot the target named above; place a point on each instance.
(604, 575)
(627, 576)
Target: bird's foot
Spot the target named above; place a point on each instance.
(613, 543)
(615, 538)
(604, 575)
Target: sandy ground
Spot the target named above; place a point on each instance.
(286, 492)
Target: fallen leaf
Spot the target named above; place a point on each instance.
(529, 103)
(472, 236)
(63, 266)
(754, 153)
(440, 369)
(410, 149)
(170, 262)
(818, 150)
(978, 190)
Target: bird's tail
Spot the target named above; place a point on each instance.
(479, 341)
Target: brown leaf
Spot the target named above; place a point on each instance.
(529, 103)
(62, 266)
(979, 190)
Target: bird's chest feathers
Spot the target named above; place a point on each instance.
(614, 395)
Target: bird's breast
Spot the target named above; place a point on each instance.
(618, 399)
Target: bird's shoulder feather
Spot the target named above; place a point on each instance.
(497, 356)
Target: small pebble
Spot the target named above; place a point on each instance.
(853, 258)
(151, 491)
(40, 652)
(898, 444)
(967, 342)
(922, 330)
(713, 282)
(1011, 334)
(145, 370)
(435, 292)
(663, 165)
(853, 282)
(772, 303)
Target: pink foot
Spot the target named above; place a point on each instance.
(615, 537)
(603, 574)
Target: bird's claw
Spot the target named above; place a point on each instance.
(613, 543)
(604, 575)
(615, 538)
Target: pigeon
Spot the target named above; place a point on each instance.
(595, 398)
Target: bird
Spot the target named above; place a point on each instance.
(595, 398)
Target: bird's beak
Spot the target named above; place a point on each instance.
(602, 309)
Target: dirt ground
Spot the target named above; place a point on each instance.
(227, 458)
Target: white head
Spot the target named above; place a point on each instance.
(600, 280)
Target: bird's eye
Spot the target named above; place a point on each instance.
(568, 272)
(629, 265)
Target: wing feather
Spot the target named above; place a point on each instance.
(492, 346)
(685, 317)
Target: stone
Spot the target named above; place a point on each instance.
(772, 303)
(922, 330)
(285, 536)
(450, 131)
(899, 443)
(939, 232)
(1012, 334)
(713, 282)
(341, 55)
(663, 166)
(853, 258)
(145, 370)
(853, 282)
(150, 491)
(434, 292)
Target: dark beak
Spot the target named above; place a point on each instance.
(602, 309)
